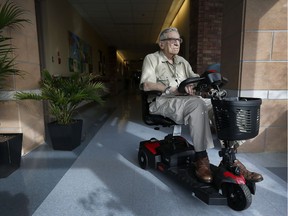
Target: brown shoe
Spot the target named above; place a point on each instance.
(203, 171)
(250, 176)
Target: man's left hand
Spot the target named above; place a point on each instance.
(190, 89)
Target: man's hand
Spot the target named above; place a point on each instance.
(190, 89)
(174, 90)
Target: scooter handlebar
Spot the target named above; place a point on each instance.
(208, 78)
(181, 88)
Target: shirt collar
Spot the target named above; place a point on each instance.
(177, 59)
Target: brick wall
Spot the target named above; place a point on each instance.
(206, 24)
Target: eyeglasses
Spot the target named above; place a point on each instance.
(173, 40)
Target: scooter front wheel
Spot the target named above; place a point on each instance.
(238, 196)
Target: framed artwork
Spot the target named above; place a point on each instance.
(80, 55)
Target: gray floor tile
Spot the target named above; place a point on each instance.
(103, 178)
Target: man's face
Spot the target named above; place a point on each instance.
(171, 45)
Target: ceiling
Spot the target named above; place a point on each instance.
(132, 26)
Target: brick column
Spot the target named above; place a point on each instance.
(205, 33)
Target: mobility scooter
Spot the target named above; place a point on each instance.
(236, 118)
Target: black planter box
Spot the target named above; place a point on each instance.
(65, 137)
(10, 153)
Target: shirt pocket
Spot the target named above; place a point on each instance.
(162, 76)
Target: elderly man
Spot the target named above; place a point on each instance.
(163, 71)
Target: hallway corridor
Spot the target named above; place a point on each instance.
(102, 176)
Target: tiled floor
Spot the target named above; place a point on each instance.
(102, 176)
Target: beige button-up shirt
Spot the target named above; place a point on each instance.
(157, 69)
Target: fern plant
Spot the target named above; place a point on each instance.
(64, 94)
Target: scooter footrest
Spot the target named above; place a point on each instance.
(210, 196)
(202, 191)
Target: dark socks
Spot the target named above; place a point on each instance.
(201, 154)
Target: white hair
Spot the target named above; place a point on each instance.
(163, 34)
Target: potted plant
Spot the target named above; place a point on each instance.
(10, 144)
(64, 95)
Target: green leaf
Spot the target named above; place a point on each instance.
(10, 17)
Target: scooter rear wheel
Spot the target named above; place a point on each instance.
(142, 159)
(238, 196)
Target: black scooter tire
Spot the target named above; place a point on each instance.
(238, 196)
(142, 159)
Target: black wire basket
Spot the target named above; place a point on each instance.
(237, 118)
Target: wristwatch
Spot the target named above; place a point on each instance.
(167, 90)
